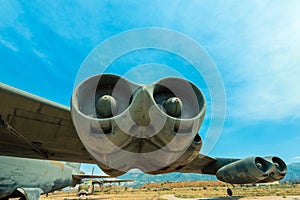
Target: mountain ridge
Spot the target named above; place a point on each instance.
(292, 176)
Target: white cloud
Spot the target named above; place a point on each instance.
(267, 78)
(256, 47)
(9, 45)
(258, 42)
(42, 56)
(9, 12)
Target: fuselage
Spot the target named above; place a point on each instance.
(46, 175)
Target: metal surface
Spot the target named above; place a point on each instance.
(28, 178)
(33, 127)
(33, 177)
(113, 115)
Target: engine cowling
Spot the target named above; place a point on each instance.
(124, 125)
(279, 169)
(248, 170)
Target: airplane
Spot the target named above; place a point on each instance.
(88, 186)
(121, 125)
(29, 178)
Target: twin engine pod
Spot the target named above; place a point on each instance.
(253, 170)
(124, 125)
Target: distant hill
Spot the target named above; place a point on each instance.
(293, 175)
(142, 178)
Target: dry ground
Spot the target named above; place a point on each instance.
(186, 190)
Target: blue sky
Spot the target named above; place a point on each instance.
(254, 44)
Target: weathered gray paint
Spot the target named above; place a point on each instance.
(252, 170)
(87, 187)
(156, 143)
(34, 174)
(33, 127)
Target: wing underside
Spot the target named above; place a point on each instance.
(110, 181)
(33, 127)
(83, 176)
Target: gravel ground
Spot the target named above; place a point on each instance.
(72, 196)
(172, 197)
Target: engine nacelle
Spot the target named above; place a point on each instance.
(124, 125)
(278, 172)
(248, 170)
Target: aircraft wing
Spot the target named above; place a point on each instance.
(116, 181)
(110, 181)
(83, 176)
(33, 127)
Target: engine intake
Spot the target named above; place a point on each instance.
(279, 170)
(252, 170)
(179, 98)
(124, 125)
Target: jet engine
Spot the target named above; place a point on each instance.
(279, 171)
(124, 125)
(252, 170)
